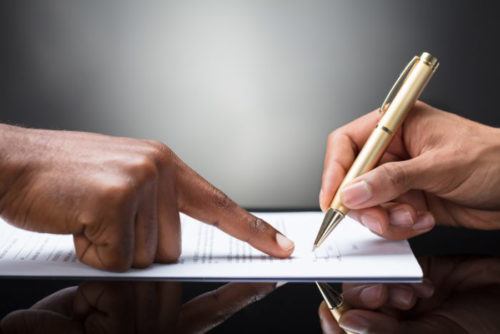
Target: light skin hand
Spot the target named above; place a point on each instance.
(119, 197)
(452, 299)
(439, 168)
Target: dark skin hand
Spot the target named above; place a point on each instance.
(119, 197)
(459, 295)
(132, 307)
(439, 168)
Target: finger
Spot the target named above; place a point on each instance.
(387, 182)
(401, 214)
(376, 219)
(405, 220)
(60, 301)
(205, 312)
(361, 321)
(340, 154)
(342, 147)
(146, 237)
(374, 296)
(39, 321)
(402, 296)
(147, 306)
(106, 238)
(398, 222)
(201, 200)
(169, 226)
(170, 296)
(425, 289)
(109, 243)
(366, 296)
(328, 323)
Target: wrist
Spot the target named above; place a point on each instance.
(485, 169)
(13, 158)
(493, 144)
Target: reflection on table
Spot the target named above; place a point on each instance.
(460, 294)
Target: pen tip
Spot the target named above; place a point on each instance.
(314, 248)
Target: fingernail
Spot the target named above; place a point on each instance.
(372, 223)
(356, 193)
(285, 243)
(371, 294)
(400, 218)
(354, 323)
(321, 199)
(424, 222)
(401, 296)
(280, 283)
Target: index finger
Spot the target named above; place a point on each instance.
(205, 312)
(342, 148)
(201, 200)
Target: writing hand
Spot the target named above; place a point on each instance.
(459, 295)
(439, 168)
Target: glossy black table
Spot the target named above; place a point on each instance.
(155, 307)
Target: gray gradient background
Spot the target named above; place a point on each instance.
(245, 92)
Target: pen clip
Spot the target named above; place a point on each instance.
(383, 108)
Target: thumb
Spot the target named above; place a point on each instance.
(386, 182)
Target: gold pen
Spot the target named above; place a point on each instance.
(333, 301)
(416, 75)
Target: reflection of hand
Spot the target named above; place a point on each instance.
(465, 299)
(132, 307)
(119, 197)
(439, 168)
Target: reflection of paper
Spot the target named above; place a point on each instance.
(350, 253)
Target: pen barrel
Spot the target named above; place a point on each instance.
(337, 313)
(411, 88)
(369, 156)
(390, 122)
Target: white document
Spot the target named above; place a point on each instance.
(351, 253)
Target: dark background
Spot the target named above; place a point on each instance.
(275, 77)
(245, 92)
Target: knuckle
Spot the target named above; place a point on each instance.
(120, 194)
(221, 200)
(86, 217)
(333, 137)
(117, 193)
(256, 226)
(396, 175)
(258, 291)
(341, 137)
(142, 169)
(220, 315)
(160, 153)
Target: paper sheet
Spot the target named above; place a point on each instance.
(351, 253)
